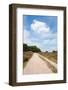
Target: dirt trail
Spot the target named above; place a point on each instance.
(36, 66)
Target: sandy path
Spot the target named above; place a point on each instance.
(36, 66)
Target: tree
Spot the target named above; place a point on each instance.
(34, 49)
(31, 48)
(54, 51)
(46, 52)
(25, 47)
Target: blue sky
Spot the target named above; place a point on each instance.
(40, 31)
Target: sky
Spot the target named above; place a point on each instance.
(40, 31)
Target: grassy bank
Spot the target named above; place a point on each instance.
(26, 56)
(50, 55)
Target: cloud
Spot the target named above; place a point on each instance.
(39, 26)
(41, 36)
(42, 30)
(42, 43)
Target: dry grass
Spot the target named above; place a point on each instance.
(26, 56)
(50, 55)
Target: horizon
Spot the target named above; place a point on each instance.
(40, 49)
(40, 31)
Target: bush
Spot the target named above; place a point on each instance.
(30, 48)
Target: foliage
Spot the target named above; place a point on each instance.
(31, 48)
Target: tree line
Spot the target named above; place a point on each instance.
(31, 48)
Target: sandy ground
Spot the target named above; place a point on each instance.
(36, 66)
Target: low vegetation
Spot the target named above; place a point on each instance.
(26, 56)
(50, 55)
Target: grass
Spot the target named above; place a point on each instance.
(26, 56)
(50, 55)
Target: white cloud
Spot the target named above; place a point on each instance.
(39, 26)
(41, 36)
